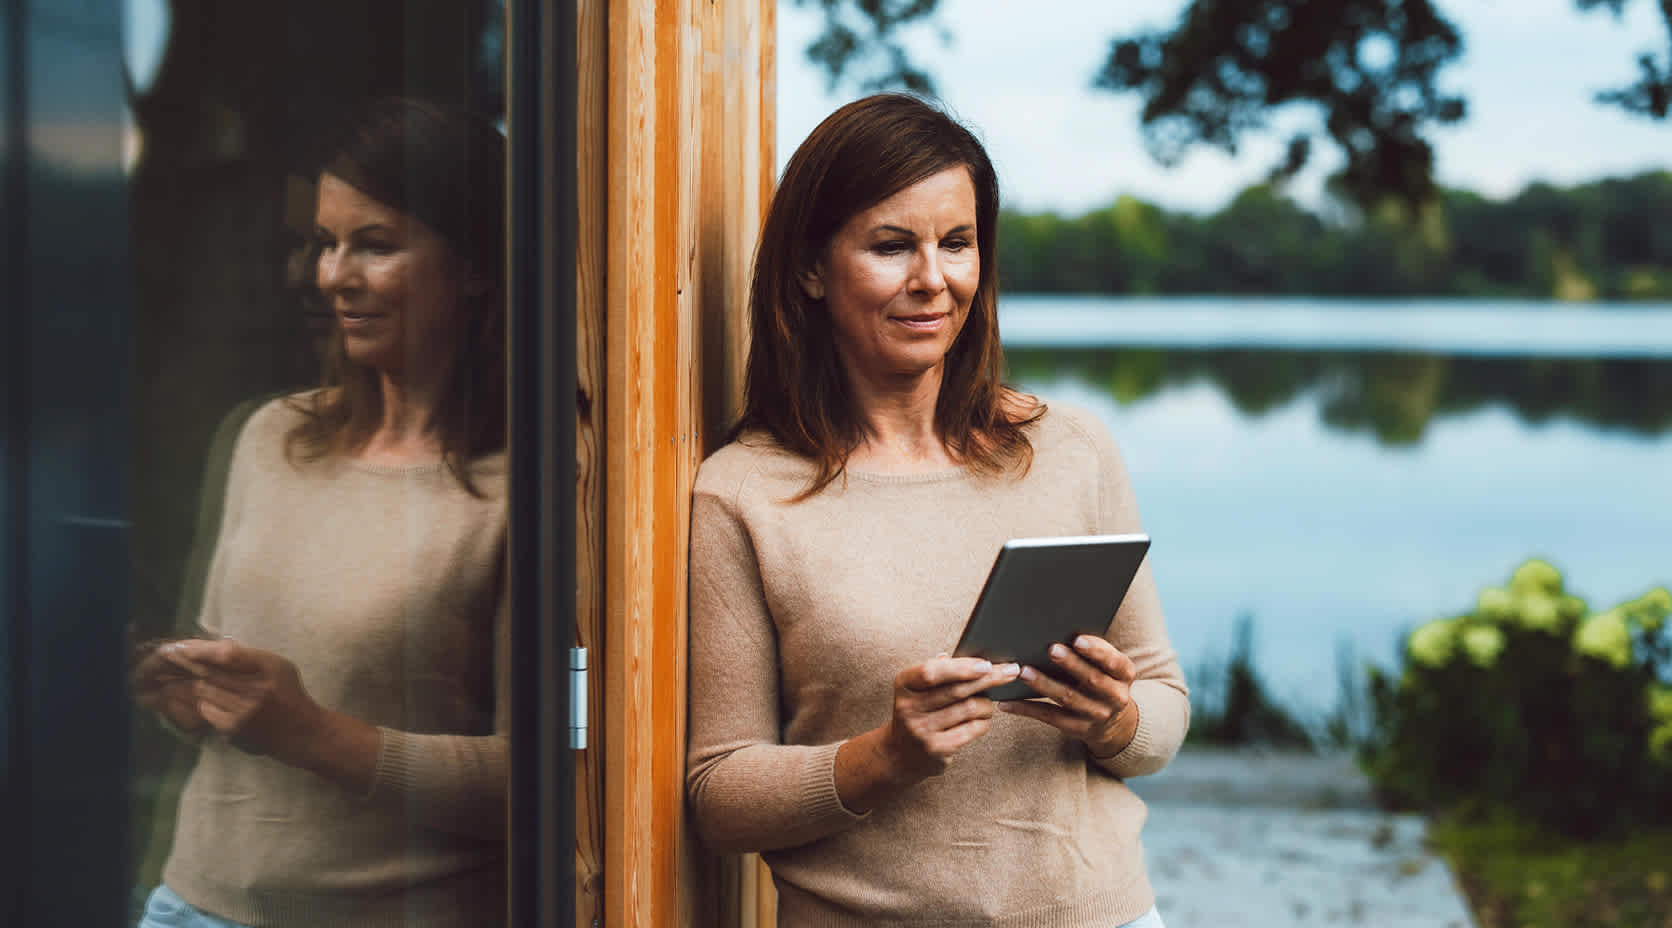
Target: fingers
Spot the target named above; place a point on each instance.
(938, 709)
(957, 713)
(1100, 676)
(182, 662)
(950, 679)
(964, 733)
(222, 709)
(1063, 694)
(230, 664)
(942, 670)
(1094, 704)
(1098, 652)
(223, 653)
(153, 670)
(1096, 666)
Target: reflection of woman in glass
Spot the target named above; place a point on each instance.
(841, 540)
(350, 691)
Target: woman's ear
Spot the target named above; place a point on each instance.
(812, 284)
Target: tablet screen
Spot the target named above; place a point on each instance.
(1047, 590)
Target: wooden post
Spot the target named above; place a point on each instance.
(676, 165)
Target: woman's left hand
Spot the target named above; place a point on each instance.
(1097, 707)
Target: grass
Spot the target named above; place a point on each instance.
(1231, 706)
(1515, 874)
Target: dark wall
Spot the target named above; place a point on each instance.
(66, 376)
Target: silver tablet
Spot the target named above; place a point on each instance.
(1047, 590)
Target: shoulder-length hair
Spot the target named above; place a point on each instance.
(795, 386)
(445, 168)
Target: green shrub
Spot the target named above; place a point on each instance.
(1533, 706)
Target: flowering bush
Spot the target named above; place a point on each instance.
(1532, 704)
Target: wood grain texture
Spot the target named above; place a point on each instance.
(592, 185)
(675, 136)
(630, 136)
(750, 106)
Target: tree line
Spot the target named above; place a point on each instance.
(1391, 396)
(1603, 240)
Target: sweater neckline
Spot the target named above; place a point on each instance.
(930, 476)
(394, 470)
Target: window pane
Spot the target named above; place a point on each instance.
(316, 460)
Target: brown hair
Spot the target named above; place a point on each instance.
(795, 388)
(446, 168)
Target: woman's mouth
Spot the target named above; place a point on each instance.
(923, 322)
(352, 320)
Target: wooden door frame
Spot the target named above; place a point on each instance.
(675, 166)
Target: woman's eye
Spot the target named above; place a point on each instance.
(378, 248)
(891, 248)
(956, 244)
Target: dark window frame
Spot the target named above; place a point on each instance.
(541, 107)
(542, 84)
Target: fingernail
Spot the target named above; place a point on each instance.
(983, 666)
(1083, 642)
(1011, 670)
(1007, 706)
(1028, 673)
(1059, 651)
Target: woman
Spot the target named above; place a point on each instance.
(350, 688)
(840, 541)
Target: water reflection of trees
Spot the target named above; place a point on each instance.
(1392, 395)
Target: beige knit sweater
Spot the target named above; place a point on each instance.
(801, 615)
(385, 587)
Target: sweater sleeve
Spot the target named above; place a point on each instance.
(747, 790)
(456, 783)
(1139, 629)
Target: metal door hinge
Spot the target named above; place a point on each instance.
(577, 698)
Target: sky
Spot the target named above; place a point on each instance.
(1020, 74)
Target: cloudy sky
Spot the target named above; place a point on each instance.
(1020, 73)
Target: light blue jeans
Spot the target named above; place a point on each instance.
(1150, 919)
(166, 910)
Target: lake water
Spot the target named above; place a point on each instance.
(1344, 471)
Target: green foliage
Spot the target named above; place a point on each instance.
(1529, 704)
(1598, 240)
(1518, 874)
(863, 37)
(1228, 63)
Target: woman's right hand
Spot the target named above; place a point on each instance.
(164, 687)
(939, 708)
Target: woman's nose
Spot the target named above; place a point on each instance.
(927, 276)
(329, 273)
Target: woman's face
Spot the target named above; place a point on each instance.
(391, 281)
(898, 278)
